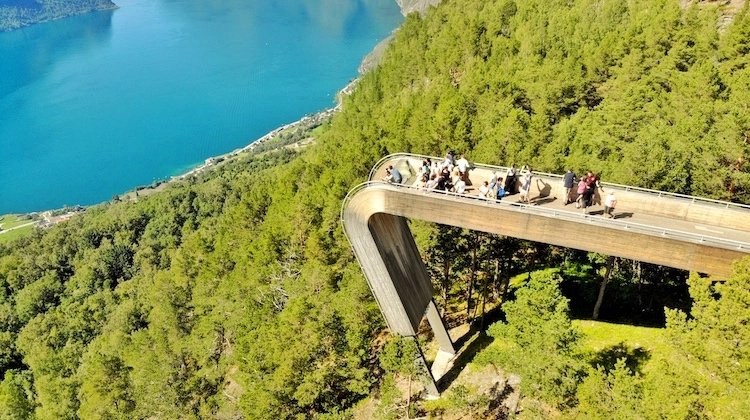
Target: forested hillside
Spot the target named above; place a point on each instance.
(236, 294)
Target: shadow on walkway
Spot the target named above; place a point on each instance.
(541, 201)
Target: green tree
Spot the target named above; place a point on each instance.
(38, 297)
(399, 357)
(617, 394)
(16, 395)
(446, 258)
(538, 341)
(711, 376)
(106, 389)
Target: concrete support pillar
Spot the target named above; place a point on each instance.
(446, 352)
(424, 372)
(439, 329)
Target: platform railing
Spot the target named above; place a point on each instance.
(557, 214)
(503, 169)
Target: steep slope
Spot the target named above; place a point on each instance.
(236, 294)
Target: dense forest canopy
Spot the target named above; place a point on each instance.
(236, 294)
(644, 92)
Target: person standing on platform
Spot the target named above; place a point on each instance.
(494, 180)
(450, 161)
(426, 167)
(587, 199)
(510, 180)
(569, 180)
(526, 187)
(609, 205)
(484, 190)
(580, 191)
(463, 168)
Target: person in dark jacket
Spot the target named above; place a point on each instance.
(569, 181)
(510, 180)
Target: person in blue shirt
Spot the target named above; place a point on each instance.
(500, 190)
(393, 175)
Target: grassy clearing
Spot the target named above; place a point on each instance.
(317, 131)
(644, 344)
(15, 233)
(9, 221)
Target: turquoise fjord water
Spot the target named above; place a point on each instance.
(94, 105)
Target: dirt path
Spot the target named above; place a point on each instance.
(17, 227)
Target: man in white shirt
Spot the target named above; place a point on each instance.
(484, 190)
(609, 205)
(460, 186)
(463, 167)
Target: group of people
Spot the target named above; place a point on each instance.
(452, 175)
(585, 192)
(511, 182)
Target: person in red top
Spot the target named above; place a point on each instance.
(581, 189)
(586, 191)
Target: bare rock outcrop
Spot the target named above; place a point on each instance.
(419, 6)
(728, 9)
(372, 59)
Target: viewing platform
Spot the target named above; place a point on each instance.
(654, 215)
(658, 227)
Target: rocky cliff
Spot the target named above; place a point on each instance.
(419, 6)
(15, 14)
(372, 59)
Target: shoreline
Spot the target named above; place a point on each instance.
(51, 217)
(210, 163)
(316, 117)
(313, 118)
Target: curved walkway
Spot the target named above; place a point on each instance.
(721, 223)
(680, 231)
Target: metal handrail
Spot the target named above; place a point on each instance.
(357, 188)
(685, 197)
(567, 215)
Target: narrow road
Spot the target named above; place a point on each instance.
(17, 227)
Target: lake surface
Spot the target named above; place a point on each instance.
(94, 105)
